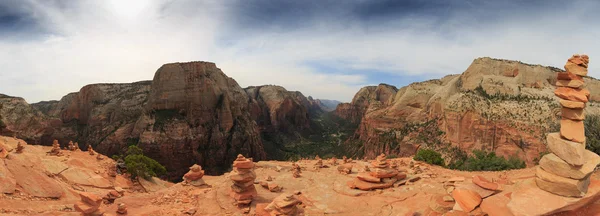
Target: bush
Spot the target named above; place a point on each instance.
(488, 161)
(592, 133)
(429, 156)
(139, 165)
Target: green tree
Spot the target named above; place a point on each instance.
(429, 156)
(139, 165)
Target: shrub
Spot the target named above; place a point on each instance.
(488, 161)
(138, 165)
(592, 133)
(429, 156)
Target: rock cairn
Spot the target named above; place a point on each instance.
(121, 209)
(243, 176)
(55, 149)
(71, 146)
(90, 204)
(379, 177)
(91, 150)
(270, 185)
(296, 170)
(567, 169)
(333, 161)
(3, 152)
(285, 204)
(194, 176)
(20, 147)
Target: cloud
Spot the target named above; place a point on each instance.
(51, 48)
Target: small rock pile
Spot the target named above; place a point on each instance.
(285, 204)
(567, 170)
(90, 204)
(20, 147)
(381, 176)
(270, 185)
(91, 150)
(55, 149)
(71, 146)
(194, 176)
(243, 176)
(296, 170)
(121, 209)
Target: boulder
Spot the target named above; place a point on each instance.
(572, 104)
(560, 185)
(570, 152)
(553, 164)
(573, 114)
(580, 95)
(466, 199)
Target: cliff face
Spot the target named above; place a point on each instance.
(18, 118)
(196, 114)
(370, 97)
(277, 110)
(495, 105)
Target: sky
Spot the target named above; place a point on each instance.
(325, 49)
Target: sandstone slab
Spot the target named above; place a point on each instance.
(568, 76)
(580, 95)
(31, 180)
(496, 205)
(573, 114)
(570, 152)
(560, 185)
(366, 177)
(546, 203)
(570, 83)
(553, 164)
(572, 130)
(362, 185)
(477, 189)
(576, 69)
(466, 199)
(85, 177)
(7, 180)
(438, 204)
(54, 167)
(572, 104)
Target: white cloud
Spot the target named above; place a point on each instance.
(106, 41)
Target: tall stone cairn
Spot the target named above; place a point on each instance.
(243, 176)
(567, 169)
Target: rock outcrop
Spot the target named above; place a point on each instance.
(196, 114)
(277, 110)
(495, 105)
(370, 97)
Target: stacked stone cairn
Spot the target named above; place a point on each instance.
(55, 149)
(194, 176)
(90, 204)
(379, 177)
(296, 170)
(243, 177)
(91, 150)
(567, 169)
(71, 146)
(20, 147)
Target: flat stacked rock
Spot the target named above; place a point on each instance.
(285, 204)
(194, 176)
(296, 170)
(243, 176)
(90, 204)
(567, 170)
(379, 177)
(20, 147)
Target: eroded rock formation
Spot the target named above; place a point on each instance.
(495, 105)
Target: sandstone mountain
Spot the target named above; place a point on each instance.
(189, 113)
(495, 105)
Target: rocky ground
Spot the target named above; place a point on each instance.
(34, 183)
